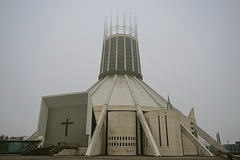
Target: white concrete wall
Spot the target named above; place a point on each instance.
(169, 139)
(121, 133)
(55, 110)
(178, 144)
(42, 121)
(71, 152)
(76, 133)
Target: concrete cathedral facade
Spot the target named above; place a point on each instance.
(120, 114)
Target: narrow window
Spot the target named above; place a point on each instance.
(166, 129)
(159, 131)
(105, 65)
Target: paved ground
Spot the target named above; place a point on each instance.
(18, 157)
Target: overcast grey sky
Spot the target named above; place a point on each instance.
(190, 49)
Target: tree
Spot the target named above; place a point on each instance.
(3, 137)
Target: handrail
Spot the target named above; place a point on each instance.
(56, 150)
(29, 148)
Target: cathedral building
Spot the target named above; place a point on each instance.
(120, 114)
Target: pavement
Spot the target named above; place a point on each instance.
(19, 157)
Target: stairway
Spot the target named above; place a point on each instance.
(34, 150)
(38, 151)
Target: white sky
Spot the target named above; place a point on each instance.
(190, 49)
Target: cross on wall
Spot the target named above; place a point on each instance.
(66, 128)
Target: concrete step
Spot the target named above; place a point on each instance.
(39, 151)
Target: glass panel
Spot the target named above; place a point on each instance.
(106, 56)
(135, 55)
(128, 54)
(120, 53)
(112, 54)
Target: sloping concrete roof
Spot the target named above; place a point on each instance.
(121, 95)
(63, 100)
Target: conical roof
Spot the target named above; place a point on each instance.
(125, 90)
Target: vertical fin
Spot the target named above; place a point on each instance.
(191, 114)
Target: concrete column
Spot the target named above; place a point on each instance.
(97, 131)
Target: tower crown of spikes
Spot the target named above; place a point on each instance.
(120, 51)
